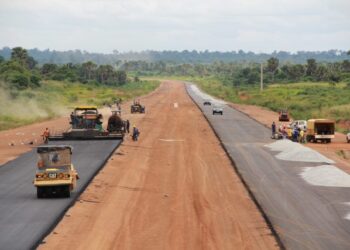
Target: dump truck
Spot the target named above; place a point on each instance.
(320, 130)
(136, 107)
(55, 175)
(86, 124)
(283, 115)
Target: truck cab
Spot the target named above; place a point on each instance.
(55, 175)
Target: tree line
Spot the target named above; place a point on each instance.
(22, 71)
(249, 73)
(179, 57)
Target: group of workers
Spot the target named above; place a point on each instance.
(296, 134)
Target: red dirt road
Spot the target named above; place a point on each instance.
(173, 189)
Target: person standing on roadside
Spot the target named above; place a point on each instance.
(135, 133)
(273, 128)
(127, 124)
(46, 135)
(302, 136)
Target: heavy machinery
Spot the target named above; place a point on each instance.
(283, 115)
(136, 107)
(115, 124)
(86, 124)
(320, 130)
(56, 175)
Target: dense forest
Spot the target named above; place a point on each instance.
(22, 71)
(178, 57)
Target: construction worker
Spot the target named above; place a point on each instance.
(127, 123)
(273, 128)
(302, 136)
(135, 133)
(46, 135)
(289, 132)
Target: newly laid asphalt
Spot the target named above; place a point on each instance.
(304, 216)
(24, 219)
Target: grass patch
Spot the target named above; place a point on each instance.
(305, 100)
(55, 98)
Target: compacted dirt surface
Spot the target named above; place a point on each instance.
(338, 150)
(175, 188)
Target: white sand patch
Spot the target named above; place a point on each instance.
(326, 176)
(291, 151)
(348, 215)
(205, 96)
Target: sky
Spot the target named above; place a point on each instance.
(214, 25)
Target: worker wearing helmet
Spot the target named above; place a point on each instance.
(135, 133)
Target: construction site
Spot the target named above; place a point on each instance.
(189, 180)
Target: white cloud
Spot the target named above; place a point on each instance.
(104, 25)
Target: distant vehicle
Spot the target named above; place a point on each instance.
(56, 174)
(218, 110)
(283, 116)
(206, 102)
(320, 130)
(136, 107)
(302, 124)
(348, 137)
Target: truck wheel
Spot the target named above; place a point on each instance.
(66, 191)
(39, 192)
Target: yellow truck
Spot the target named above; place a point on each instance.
(55, 175)
(320, 130)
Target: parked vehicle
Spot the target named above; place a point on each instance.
(320, 130)
(283, 116)
(348, 137)
(301, 124)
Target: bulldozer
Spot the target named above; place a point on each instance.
(55, 175)
(136, 107)
(86, 124)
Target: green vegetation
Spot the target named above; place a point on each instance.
(55, 98)
(29, 93)
(304, 100)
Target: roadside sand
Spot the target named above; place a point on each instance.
(173, 189)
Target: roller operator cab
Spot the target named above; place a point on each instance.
(55, 175)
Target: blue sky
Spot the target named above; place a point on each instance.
(223, 25)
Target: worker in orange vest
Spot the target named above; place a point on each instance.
(46, 135)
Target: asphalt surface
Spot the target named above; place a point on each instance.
(24, 219)
(304, 216)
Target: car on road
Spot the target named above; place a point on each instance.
(218, 110)
(207, 102)
(348, 137)
(56, 175)
(301, 124)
